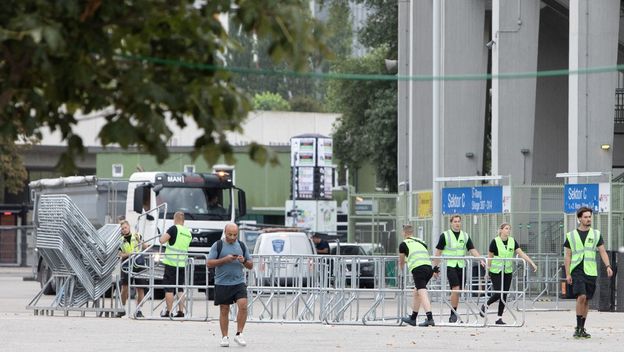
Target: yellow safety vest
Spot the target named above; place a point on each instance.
(132, 246)
(455, 247)
(176, 255)
(503, 252)
(584, 252)
(418, 255)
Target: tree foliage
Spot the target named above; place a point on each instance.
(381, 28)
(268, 101)
(338, 35)
(139, 60)
(306, 104)
(367, 129)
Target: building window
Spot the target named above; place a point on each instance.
(189, 168)
(117, 170)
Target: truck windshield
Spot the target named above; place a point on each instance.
(197, 203)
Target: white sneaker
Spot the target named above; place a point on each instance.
(240, 340)
(225, 341)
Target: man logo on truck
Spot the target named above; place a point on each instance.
(175, 179)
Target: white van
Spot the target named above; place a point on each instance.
(283, 258)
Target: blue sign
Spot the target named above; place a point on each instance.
(580, 195)
(472, 200)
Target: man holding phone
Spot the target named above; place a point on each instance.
(230, 286)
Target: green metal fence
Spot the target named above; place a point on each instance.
(536, 216)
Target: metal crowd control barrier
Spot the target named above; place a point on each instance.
(544, 286)
(358, 290)
(473, 294)
(324, 289)
(81, 259)
(337, 290)
(153, 303)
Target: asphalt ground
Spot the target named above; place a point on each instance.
(21, 330)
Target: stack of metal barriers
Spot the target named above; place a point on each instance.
(82, 259)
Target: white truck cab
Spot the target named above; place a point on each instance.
(206, 199)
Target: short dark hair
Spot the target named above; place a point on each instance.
(582, 210)
(455, 216)
(316, 235)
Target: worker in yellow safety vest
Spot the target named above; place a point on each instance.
(131, 243)
(178, 239)
(413, 252)
(580, 265)
(500, 268)
(454, 242)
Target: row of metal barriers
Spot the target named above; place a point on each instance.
(369, 290)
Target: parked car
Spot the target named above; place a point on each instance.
(278, 263)
(365, 276)
(373, 248)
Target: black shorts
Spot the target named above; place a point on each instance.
(170, 278)
(124, 277)
(455, 276)
(583, 284)
(422, 274)
(228, 294)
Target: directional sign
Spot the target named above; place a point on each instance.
(580, 195)
(472, 200)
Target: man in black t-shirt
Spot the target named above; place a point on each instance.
(322, 246)
(460, 242)
(502, 248)
(419, 265)
(580, 265)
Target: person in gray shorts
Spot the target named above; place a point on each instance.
(229, 263)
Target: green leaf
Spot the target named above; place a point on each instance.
(53, 38)
(35, 34)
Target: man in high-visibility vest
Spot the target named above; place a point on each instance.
(178, 238)
(413, 252)
(580, 265)
(131, 243)
(454, 243)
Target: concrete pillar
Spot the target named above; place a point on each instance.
(515, 29)
(421, 94)
(463, 101)
(594, 27)
(403, 123)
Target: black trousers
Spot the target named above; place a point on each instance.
(498, 280)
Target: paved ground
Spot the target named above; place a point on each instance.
(20, 330)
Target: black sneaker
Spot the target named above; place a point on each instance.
(427, 322)
(483, 311)
(409, 321)
(453, 318)
(166, 314)
(139, 314)
(584, 334)
(120, 314)
(577, 333)
(500, 322)
(179, 315)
